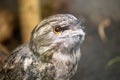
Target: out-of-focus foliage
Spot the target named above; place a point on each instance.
(113, 61)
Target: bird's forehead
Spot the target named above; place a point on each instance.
(61, 19)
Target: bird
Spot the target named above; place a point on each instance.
(52, 53)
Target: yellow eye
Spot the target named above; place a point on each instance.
(57, 29)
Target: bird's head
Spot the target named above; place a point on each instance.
(58, 31)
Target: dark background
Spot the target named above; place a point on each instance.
(100, 57)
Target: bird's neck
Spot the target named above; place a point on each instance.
(46, 53)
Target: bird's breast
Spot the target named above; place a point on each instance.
(66, 64)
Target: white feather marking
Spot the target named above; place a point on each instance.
(61, 57)
(27, 62)
(78, 54)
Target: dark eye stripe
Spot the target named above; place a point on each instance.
(65, 28)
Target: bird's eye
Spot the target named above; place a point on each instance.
(57, 29)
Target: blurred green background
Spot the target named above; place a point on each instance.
(101, 18)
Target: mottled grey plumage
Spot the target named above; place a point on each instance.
(52, 54)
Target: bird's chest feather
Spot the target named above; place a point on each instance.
(60, 67)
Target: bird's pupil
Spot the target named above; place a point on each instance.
(58, 29)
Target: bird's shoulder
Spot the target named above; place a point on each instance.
(18, 61)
